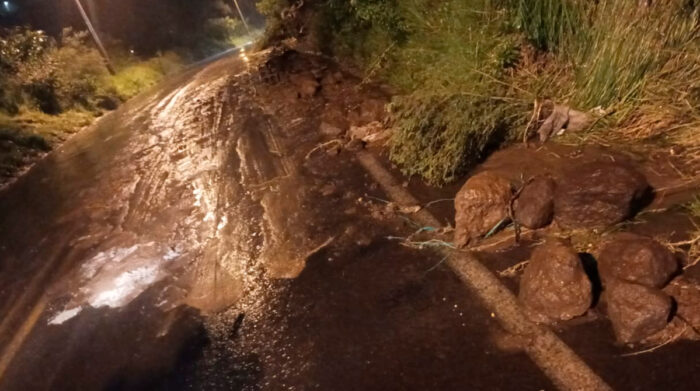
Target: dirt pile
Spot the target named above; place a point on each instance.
(554, 285)
(481, 205)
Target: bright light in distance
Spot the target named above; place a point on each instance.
(6, 4)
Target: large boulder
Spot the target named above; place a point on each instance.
(636, 311)
(534, 207)
(686, 293)
(480, 205)
(598, 194)
(635, 258)
(554, 285)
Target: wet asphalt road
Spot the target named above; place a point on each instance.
(182, 244)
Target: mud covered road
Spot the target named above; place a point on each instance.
(181, 243)
(198, 239)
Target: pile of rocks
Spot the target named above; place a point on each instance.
(635, 273)
(594, 195)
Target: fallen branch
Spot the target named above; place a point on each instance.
(322, 146)
(514, 270)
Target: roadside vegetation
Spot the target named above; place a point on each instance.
(52, 87)
(472, 73)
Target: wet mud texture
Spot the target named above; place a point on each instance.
(188, 242)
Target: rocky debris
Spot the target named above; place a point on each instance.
(480, 205)
(686, 293)
(334, 116)
(635, 258)
(677, 329)
(636, 311)
(534, 207)
(554, 285)
(598, 194)
(305, 83)
(370, 133)
(331, 78)
(369, 110)
(329, 189)
(354, 145)
(329, 130)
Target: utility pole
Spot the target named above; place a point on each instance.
(95, 37)
(240, 13)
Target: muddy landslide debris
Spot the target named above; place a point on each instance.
(534, 207)
(598, 194)
(636, 311)
(635, 258)
(306, 84)
(480, 205)
(554, 285)
(329, 130)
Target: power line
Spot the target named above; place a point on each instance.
(95, 37)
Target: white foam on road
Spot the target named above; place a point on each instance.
(125, 287)
(65, 316)
(114, 277)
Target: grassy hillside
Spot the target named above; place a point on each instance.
(472, 72)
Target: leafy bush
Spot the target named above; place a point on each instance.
(217, 35)
(52, 76)
(271, 8)
(133, 79)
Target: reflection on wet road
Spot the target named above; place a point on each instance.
(182, 244)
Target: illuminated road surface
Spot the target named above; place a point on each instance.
(183, 244)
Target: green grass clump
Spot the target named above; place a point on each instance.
(548, 24)
(471, 69)
(448, 59)
(638, 61)
(136, 77)
(441, 137)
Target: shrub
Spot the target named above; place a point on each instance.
(638, 61)
(133, 79)
(441, 137)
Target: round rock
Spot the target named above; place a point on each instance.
(534, 207)
(598, 194)
(636, 311)
(554, 285)
(480, 205)
(635, 258)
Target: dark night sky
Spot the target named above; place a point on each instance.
(148, 25)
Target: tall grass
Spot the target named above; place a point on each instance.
(455, 107)
(640, 61)
(469, 70)
(549, 24)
